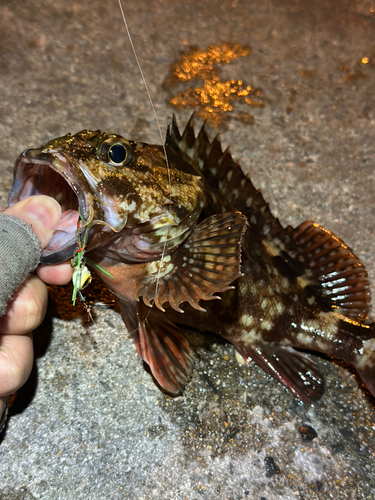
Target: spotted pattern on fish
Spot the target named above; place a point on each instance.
(193, 242)
(302, 288)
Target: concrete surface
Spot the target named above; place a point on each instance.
(90, 424)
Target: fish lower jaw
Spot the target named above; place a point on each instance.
(42, 173)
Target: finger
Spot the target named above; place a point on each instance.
(40, 212)
(16, 361)
(55, 275)
(27, 309)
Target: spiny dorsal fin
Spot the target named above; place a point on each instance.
(332, 270)
(223, 174)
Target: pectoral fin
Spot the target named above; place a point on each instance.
(206, 263)
(160, 344)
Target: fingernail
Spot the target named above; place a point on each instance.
(43, 209)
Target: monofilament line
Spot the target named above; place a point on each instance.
(160, 133)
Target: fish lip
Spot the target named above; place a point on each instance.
(33, 176)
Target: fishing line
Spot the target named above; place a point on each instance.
(161, 140)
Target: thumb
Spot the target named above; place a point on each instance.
(40, 212)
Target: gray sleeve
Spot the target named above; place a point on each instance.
(19, 256)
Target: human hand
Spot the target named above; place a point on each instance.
(28, 307)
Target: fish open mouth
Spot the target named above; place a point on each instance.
(54, 175)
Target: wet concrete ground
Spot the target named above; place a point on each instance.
(91, 424)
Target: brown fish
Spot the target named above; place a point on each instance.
(170, 234)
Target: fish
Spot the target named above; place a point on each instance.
(182, 237)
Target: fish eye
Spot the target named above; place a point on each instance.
(116, 152)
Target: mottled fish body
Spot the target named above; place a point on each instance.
(171, 237)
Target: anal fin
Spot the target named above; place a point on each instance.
(290, 367)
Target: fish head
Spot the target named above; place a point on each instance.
(117, 188)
